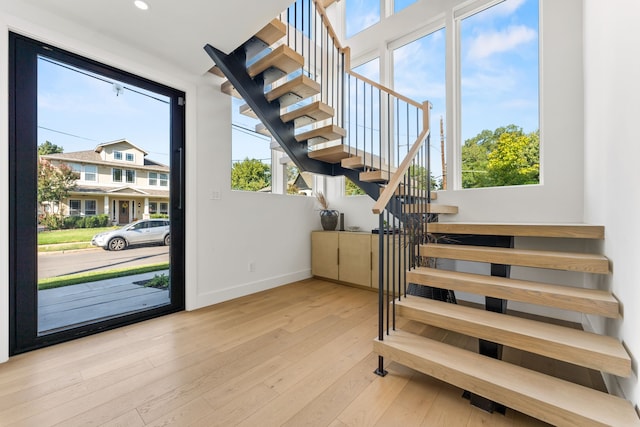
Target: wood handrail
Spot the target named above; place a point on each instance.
(398, 175)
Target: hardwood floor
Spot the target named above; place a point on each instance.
(297, 355)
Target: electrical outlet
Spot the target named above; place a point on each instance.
(215, 195)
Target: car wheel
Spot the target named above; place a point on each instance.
(117, 244)
(167, 240)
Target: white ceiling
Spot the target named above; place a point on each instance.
(173, 30)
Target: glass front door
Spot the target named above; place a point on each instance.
(94, 152)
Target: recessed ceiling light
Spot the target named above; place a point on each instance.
(141, 5)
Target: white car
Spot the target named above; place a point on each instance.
(140, 232)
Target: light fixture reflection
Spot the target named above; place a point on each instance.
(141, 5)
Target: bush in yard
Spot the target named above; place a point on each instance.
(159, 215)
(52, 222)
(159, 282)
(103, 220)
(91, 222)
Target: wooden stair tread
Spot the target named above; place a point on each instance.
(366, 160)
(569, 261)
(295, 90)
(262, 129)
(429, 208)
(272, 32)
(550, 399)
(322, 134)
(246, 110)
(227, 88)
(582, 348)
(282, 58)
(215, 70)
(578, 231)
(375, 176)
(333, 154)
(591, 301)
(314, 112)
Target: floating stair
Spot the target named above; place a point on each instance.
(281, 61)
(590, 301)
(376, 176)
(227, 88)
(293, 91)
(593, 351)
(274, 31)
(333, 154)
(322, 134)
(541, 396)
(569, 261)
(262, 129)
(314, 112)
(419, 208)
(246, 110)
(577, 231)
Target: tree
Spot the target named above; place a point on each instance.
(49, 148)
(506, 156)
(54, 184)
(250, 175)
(350, 189)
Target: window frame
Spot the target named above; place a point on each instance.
(130, 176)
(113, 174)
(95, 207)
(75, 211)
(117, 155)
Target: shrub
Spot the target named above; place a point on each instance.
(103, 220)
(159, 215)
(52, 222)
(91, 222)
(159, 282)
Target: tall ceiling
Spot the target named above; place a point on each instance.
(173, 30)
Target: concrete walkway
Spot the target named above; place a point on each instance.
(87, 302)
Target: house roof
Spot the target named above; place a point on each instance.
(93, 157)
(119, 191)
(100, 147)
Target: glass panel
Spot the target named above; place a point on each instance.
(419, 73)
(86, 122)
(499, 95)
(398, 5)
(361, 14)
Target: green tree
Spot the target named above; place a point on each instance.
(49, 148)
(250, 175)
(350, 189)
(54, 184)
(506, 156)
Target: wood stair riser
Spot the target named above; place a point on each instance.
(587, 301)
(568, 261)
(594, 351)
(547, 398)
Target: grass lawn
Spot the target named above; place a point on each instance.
(74, 279)
(69, 236)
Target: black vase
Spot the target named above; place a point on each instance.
(329, 219)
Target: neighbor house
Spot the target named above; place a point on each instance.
(116, 179)
(589, 90)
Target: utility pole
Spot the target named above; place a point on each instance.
(444, 165)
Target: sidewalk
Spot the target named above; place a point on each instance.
(82, 303)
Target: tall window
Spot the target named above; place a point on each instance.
(419, 73)
(153, 207)
(75, 207)
(361, 14)
(90, 207)
(398, 5)
(499, 95)
(131, 176)
(153, 178)
(164, 180)
(117, 175)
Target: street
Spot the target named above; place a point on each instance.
(83, 261)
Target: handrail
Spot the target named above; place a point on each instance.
(394, 183)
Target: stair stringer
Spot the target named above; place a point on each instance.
(252, 90)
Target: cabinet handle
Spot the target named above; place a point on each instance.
(338, 252)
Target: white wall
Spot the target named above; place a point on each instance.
(222, 236)
(612, 175)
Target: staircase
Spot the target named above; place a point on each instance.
(295, 77)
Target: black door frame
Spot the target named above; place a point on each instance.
(23, 275)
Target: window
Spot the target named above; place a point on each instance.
(499, 95)
(370, 70)
(153, 207)
(117, 155)
(164, 208)
(398, 5)
(130, 157)
(164, 180)
(90, 207)
(116, 175)
(75, 207)
(131, 176)
(153, 178)
(90, 173)
(361, 14)
(423, 60)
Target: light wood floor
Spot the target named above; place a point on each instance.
(297, 355)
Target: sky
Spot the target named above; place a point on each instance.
(79, 110)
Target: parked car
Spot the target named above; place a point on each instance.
(140, 232)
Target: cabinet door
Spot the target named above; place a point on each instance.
(324, 254)
(392, 248)
(355, 258)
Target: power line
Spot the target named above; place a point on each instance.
(67, 134)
